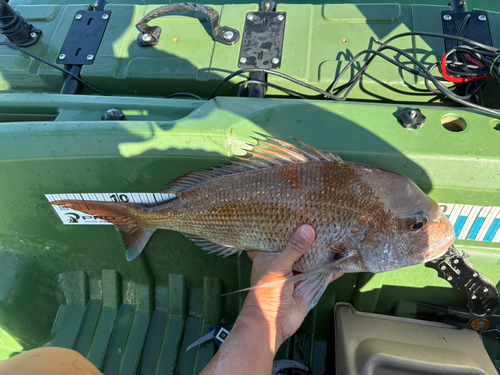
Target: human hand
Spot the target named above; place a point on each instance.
(277, 308)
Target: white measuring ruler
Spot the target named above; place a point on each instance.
(73, 217)
(478, 223)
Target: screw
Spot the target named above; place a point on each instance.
(413, 114)
(90, 57)
(275, 60)
(345, 41)
(456, 261)
(228, 35)
(267, 5)
(33, 35)
(105, 16)
(461, 3)
(96, 5)
(250, 16)
(78, 16)
(449, 278)
(473, 296)
(280, 17)
(443, 267)
(62, 56)
(243, 60)
(447, 17)
(110, 113)
(485, 290)
(480, 324)
(475, 274)
(482, 17)
(488, 310)
(146, 37)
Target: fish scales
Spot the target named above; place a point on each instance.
(259, 210)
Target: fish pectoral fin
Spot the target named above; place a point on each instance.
(311, 289)
(212, 247)
(135, 239)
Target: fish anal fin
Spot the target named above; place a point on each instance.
(212, 247)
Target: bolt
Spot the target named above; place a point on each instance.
(449, 278)
(250, 16)
(228, 35)
(485, 290)
(482, 17)
(267, 5)
(275, 60)
(480, 324)
(110, 113)
(473, 296)
(175, 40)
(62, 56)
(488, 310)
(413, 113)
(78, 16)
(475, 274)
(96, 5)
(447, 17)
(90, 57)
(461, 3)
(443, 267)
(456, 261)
(280, 17)
(33, 34)
(105, 16)
(345, 41)
(243, 60)
(146, 37)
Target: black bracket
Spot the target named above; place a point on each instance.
(476, 26)
(84, 38)
(482, 294)
(150, 35)
(262, 42)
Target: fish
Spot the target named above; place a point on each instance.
(366, 218)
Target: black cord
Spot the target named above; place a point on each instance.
(184, 94)
(272, 72)
(53, 66)
(277, 87)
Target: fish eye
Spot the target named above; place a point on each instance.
(418, 221)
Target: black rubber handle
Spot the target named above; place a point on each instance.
(150, 35)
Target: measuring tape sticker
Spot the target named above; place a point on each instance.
(477, 223)
(73, 217)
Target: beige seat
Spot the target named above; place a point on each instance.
(373, 344)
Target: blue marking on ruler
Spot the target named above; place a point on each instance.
(459, 225)
(475, 228)
(493, 229)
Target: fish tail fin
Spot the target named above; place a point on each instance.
(311, 288)
(123, 215)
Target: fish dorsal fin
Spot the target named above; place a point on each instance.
(264, 155)
(212, 247)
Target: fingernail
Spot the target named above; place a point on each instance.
(306, 232)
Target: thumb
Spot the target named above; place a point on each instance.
(301, 240)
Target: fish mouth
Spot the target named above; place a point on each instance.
(440, 248)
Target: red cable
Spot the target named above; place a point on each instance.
(449, 78)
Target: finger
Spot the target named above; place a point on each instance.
(301, 240)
